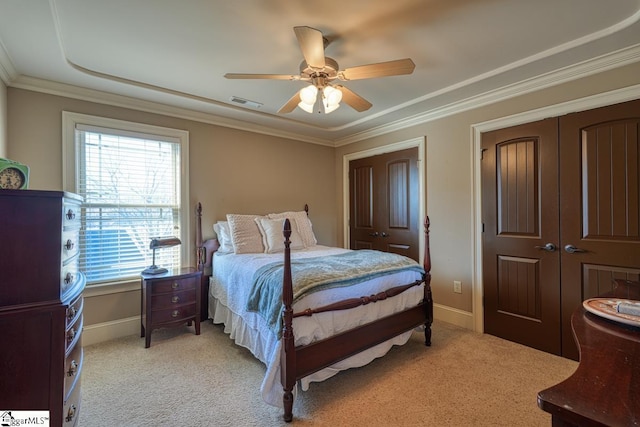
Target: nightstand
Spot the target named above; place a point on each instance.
(170, 299)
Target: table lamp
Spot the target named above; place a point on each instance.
(158, 243)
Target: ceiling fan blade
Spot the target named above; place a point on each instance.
(354, 100)
(262, 76)
(291, 104)
(381, 69)
(312, 45)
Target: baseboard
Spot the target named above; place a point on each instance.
(106, 331)
(453, 315)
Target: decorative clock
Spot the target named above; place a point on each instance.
(13, 175)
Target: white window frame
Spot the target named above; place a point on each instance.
(69, 167)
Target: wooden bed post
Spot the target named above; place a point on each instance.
(204, 252)
(428, 298)
(288, 354)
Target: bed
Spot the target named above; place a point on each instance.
(345, 319)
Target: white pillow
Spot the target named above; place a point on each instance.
(273, 236)
(304, 226)
(245, 235)
(221, 228)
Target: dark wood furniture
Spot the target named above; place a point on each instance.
(298, 362)
(41, 303)
(605, 388)
(170, 299)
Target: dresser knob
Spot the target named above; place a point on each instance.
(73, 367)
(71, 214)
(71, 413)
(71, 312)
(175, 285)
(71, 335)
(175, 299)
(175, 313)
(69, 245)
(68, 278)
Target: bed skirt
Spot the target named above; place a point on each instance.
(267, 348)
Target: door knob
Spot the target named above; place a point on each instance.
(549, 247)
(373, 234)
(572, 249)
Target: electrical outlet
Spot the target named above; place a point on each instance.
(457, 286)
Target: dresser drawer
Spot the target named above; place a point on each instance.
(173, 285)
(70, 214)
(73, 367)
(74, 311)
(160, 302)
(73, 333)
(70, 244)
(174, 314)
(69, 275)
(71, 409)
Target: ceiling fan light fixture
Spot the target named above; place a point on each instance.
(308, 95)
(306, 107)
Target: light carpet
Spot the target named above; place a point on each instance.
(463, 379)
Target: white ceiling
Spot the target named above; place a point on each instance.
(175, 53)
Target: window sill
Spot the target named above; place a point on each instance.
(111, 288)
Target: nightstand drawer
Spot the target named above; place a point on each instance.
(159, 302)
(174, 314)
(173, 285)
(71, 411)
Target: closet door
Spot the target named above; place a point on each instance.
(383, 211)
(599, 205)
(521, 261)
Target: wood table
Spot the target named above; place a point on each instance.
(605, 388)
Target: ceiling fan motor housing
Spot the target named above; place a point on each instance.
(329, 71)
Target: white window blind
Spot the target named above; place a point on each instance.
(130, 182)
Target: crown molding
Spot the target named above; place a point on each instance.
(586, 68)
(600, 64)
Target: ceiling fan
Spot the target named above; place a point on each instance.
(321, 72)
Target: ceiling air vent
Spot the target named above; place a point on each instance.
(245, 102)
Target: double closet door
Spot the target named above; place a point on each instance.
(383, 208)
(561, 219)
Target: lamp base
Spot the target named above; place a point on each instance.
(154, 269)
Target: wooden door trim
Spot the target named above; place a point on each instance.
(420, 143)
(586, 103)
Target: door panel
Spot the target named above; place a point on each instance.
(521, 278)
(384, 203)
(595, 223)
(600, 204)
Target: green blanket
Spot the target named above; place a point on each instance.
(319, 273)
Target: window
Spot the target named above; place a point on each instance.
(130, 177)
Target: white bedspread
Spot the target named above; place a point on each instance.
(229, 291)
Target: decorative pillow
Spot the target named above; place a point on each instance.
(245, 235)
(223, 232)
(273, 238)
(304, 226)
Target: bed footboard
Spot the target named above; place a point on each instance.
(298, 362)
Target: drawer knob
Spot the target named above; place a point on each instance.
(73, 368)
(71, 413)
(175, 299)
(71, 312)
(71, 335)
(68, 278)
(69, 245)
(71, 214)
(175, 313)
(175, 285)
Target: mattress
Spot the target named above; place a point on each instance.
(230, 285)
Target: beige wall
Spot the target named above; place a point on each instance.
(244, 172)
(449, 176)
(231, 171)
(3, 120)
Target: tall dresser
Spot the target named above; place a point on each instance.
(41, 303)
